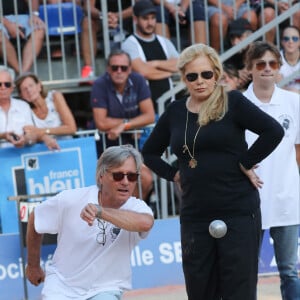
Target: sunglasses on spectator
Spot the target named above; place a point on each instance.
(118, 176)
(295, 39)
(6, 84)
(194, 76)
(115, 68)
(262, 65)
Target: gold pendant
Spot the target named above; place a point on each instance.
(193, 163)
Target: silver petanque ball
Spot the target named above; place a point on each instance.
(217, 229)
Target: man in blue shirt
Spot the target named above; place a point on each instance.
(121, 100)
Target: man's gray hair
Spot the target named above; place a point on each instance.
(115, 156)
(8, 70)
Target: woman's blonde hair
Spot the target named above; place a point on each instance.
(215, 107)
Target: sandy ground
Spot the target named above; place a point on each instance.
(268, 289)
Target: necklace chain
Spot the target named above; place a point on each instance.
(193, 162)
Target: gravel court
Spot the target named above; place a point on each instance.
(268, 289)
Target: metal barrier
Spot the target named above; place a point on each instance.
(65, 73)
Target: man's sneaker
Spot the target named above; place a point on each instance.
(87, 72)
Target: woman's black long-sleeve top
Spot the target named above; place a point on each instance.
(216, 187)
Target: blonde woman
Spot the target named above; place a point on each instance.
(290, 55)
(206, 131)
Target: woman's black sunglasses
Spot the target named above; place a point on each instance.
(194, 76)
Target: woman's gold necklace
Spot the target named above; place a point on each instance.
(193, 162)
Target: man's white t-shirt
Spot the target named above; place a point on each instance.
(18, 116)
(81, 267)
(280, 195)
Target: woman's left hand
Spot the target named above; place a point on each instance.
(176, 179)
(254, 179)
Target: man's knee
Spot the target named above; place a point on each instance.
(215, 20)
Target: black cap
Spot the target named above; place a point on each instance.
(143, 7)
(239, 26)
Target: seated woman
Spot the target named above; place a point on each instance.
(290, 55)
(230, 78)
(50, 112)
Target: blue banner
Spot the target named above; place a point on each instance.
(37, 170)
(156, 261)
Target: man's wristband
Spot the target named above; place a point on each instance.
(99, 211)
(36, 13)
(127, 124)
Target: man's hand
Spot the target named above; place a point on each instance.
(17, 140)
(35, 275)
(174, 9)
(115, 132)
(14, 29)
(36, 23)
(112, 19)
(89, 213)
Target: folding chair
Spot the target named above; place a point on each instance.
(60, 18)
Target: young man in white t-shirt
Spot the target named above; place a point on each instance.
(280, 195)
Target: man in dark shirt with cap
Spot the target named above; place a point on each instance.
(152, 55)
